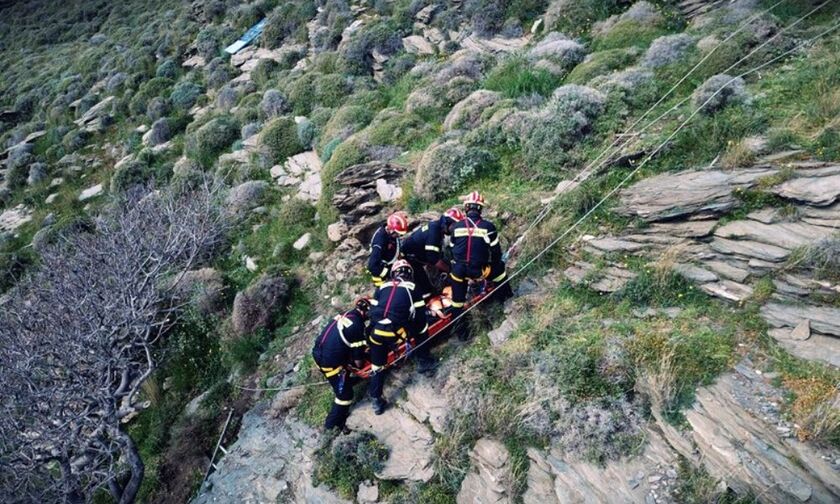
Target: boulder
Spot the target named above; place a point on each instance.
(427, 404)
(368, 493)
(410, 442)
(416, 44)
(818, 187)
(687, 193)
(553, 479)
(787, 235)
(302, 242)
(357, 194)
(255, 307)
(335, 231)
(490, 478)
(736, 445)
(96, 112)
(821, 319)
(816, 347)
(246, 196)
(388, 192)
(13, 218)
(91, 192)
(271, 461)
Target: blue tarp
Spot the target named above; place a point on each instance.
(249, 36)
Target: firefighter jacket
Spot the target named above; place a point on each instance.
(475, 242)
(341, 342)
(384, 251)
(395, 305)
(424, 244)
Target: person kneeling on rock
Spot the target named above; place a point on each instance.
(385, 247)
(397, 314)
(340, 344)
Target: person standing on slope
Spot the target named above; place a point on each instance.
(340, 344)
(477, 255)
(397, 315)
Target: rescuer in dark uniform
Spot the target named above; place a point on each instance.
(340, 344)
(385, 247)
(476, 256)
(398, 313)
(424, 245)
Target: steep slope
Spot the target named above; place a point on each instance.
(679, 345)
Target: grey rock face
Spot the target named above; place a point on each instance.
(685, 193)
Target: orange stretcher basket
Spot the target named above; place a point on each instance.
(435, 307)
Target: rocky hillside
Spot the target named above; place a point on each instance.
(681, 344)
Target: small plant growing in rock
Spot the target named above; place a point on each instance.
(346, 461)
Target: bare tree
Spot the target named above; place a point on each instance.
(78, 338)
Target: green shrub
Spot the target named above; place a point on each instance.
(264, 71)
(331, 89)
(288, 20)
(350, 152)
(445, 167)
(349, 460)
(600, 63)
(306, 132)
(627, 34)
(346, 121)
(207, 142)
(281, 139)
(384, 36)
(561, 124)
(185, 94)
(576, 17)
(391, 127)
(515, 77)
(130, 174)
(167, 69)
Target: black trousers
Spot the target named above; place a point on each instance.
(385, 339)
(342, 385)
(462, 273)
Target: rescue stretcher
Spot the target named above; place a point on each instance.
(438, 319)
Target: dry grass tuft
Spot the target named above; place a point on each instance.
(815, 409)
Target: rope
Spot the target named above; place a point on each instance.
(546, 210)
(618, 186)
(621, 183)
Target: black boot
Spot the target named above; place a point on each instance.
(379, 405)
(501, 293)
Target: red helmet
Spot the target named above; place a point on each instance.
(454, 214)
(402, 270)
(474, 198)
(397, 223)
